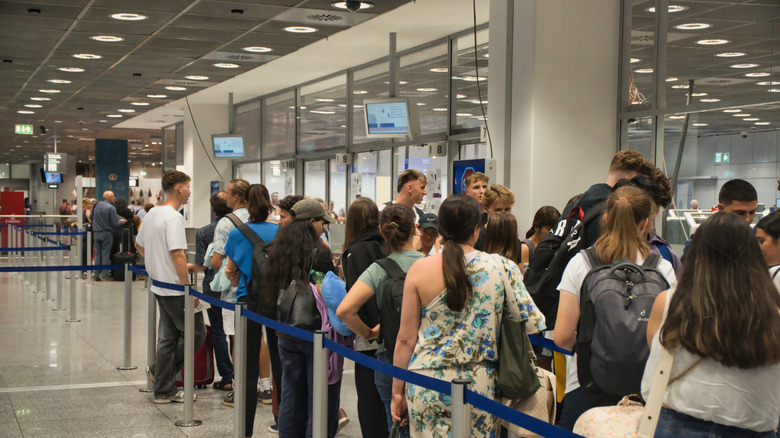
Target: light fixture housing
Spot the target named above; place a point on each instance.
(139, 103)
(71, 69)
(197, 77)
(671, 9)
(745, 65)
(709, 100)
(226, 65)
(693, 26)
(58, 81)
(730, 54)
(86, 56)
(107, 38)
(757, 74)
(175, 88)
(343, 5)
(257, 49)
(156, 96)
(49, 91)
(712, 42)
(40, 99)
(128, 16)
(300, 29)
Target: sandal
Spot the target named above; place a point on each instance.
(224, 385)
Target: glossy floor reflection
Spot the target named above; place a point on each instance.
(59, 379)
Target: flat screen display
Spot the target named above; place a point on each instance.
(133, 181)
(51, 177)
(461, 169)
(228, 146)
(388, 118)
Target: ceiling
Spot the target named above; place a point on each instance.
(179, 38)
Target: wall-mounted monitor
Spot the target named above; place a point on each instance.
(133, 181)
(461, 169)
(51, 177)
(389, 118)
(228, 145)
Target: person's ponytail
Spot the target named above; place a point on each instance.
(458, 218)
(627, 207)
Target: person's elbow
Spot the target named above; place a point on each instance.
(216, 261)
(344, 313)
(563, 340)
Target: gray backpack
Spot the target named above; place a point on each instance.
(615, 305)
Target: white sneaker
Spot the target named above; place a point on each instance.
(179, 397)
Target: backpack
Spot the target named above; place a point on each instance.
(615, 305)
(254, 288)
(553, 254)
(390, 307)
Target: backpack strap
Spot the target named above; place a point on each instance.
(652, 261)
(775, 273)
(664, 250)
(530, 246)
(592, 257)
(594, 212)
(233, 218)
(250, 234)
(391, 267)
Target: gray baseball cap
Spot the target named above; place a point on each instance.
(311, 209)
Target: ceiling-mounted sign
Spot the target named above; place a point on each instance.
(55, 162)
(24, 129)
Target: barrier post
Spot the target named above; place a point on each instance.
(461, 411)
(72, 297)
(88, 237)
(39, 263)
(46, 274)
(128, 320)
(319, 426)
(189, 361)
(59, 281)
(239, 373)
(151, 331)
(27, 262)
(11, 244)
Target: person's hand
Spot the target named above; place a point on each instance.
(398, 408)
(374, 333)
(190, 268)
(123, 221)
(195, 302)
(230, 274)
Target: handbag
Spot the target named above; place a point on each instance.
(517, 378)
(542, 405)
(297, 307)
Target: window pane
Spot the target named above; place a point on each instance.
(338, 188)
(416, 157)
(324, 115)
(424, 81)
(169, 148)
(314, 179)
(249, 172)
(640, 136)
(248, 124)
(473, 151)
(371, 177)
(641, 86)
(368, 83)
(469, 80)
(279, 125)
(277, 179)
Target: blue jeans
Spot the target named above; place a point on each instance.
(673, 424)
(384, 385)
(104, 240)
(218, 338)
(295, 411)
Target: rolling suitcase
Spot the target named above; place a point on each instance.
(125, 256)
(204, 364)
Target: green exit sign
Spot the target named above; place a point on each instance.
(23, 129)
(722, 157)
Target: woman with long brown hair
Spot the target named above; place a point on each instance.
(623, 237)
(501, 236)
(722, 326)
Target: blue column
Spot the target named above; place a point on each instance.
(112, 171)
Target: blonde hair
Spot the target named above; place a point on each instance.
(496, 192)
(627, 207)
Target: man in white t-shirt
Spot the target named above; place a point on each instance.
(411, 190)
(162, 242)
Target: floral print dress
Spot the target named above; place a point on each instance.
(464, 345)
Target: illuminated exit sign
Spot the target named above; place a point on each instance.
(23, 129)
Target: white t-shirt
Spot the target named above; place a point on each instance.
(163, 232)
(774, 272)
(571, 282)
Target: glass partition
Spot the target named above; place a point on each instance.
(279, 180)
(372, 176)
(469, 80)
(368, 83)
(279, 125)
(424, 80)
(250, 172)
(470, 151)
(434, 168)
(323, 110)
(338, 189)
(315, 179)
(247, 121)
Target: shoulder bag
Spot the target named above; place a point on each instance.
(297, 307)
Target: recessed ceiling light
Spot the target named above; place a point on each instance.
(49, 90)
(440, 109)
(709, 100)
(197, 77)
(735, 110)
(300, 29)
(439, 70)
(676, 117)
(699, 124)
(460, 96)
(40, 99)
(343, 5)
(71, 69)
(758, 74)
(257, 49)
(59, 81)
(226, 65)
(692, 26)
(86, 56)
(324, 99)
(114, 116)
(322, 112)
(126, 110)
(745, 65)
(427, 89)
(106, 38)
(768, 83)
(680, 86)
(671, 8)
(762, 123)
(342, 105)
(175, 88)
(32, 105)
(399, 82)
(672, 79)
(360, 92)
(469, 78)
(698, 94)
(25, 112)
(464, 114)
(157, 96)
(139, 103)
(731, 54)
(128, 16)
(635, 60)
(420, 103)
(751, 119)
(712, 42)
(741, 115)
(58, 121)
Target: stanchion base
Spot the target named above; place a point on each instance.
(72, 320)
(127, 368)
(60, 310)
(182, 423)
(146, 390)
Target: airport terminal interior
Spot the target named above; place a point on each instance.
(333, 100)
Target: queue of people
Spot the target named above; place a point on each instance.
(427, 292)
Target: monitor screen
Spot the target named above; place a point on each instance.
(461, 169)
(52, 178)
(228, 146)
(387, 118)
(133, 181)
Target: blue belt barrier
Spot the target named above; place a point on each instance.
(52, 233)
(516, 417)
(59, 268)
(36, 248)
(541, 341)
(30, 226)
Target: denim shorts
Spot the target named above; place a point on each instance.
(673, 424)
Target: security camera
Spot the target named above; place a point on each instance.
(353, 5)
(744, 134)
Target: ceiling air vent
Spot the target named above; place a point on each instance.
(324, 18)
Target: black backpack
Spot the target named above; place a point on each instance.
(254, 288)
(615, 305)
(390, 307)
(553, 254)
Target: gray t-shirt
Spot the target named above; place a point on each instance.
(376, 277)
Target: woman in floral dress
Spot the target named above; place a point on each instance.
(450, 319)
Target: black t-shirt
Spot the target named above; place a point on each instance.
(596, 194)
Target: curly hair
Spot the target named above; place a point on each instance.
(496, 192)
(288, 201)
(629, 160)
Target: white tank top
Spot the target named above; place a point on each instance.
(748, 399)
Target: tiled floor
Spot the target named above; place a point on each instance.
(59, 379)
